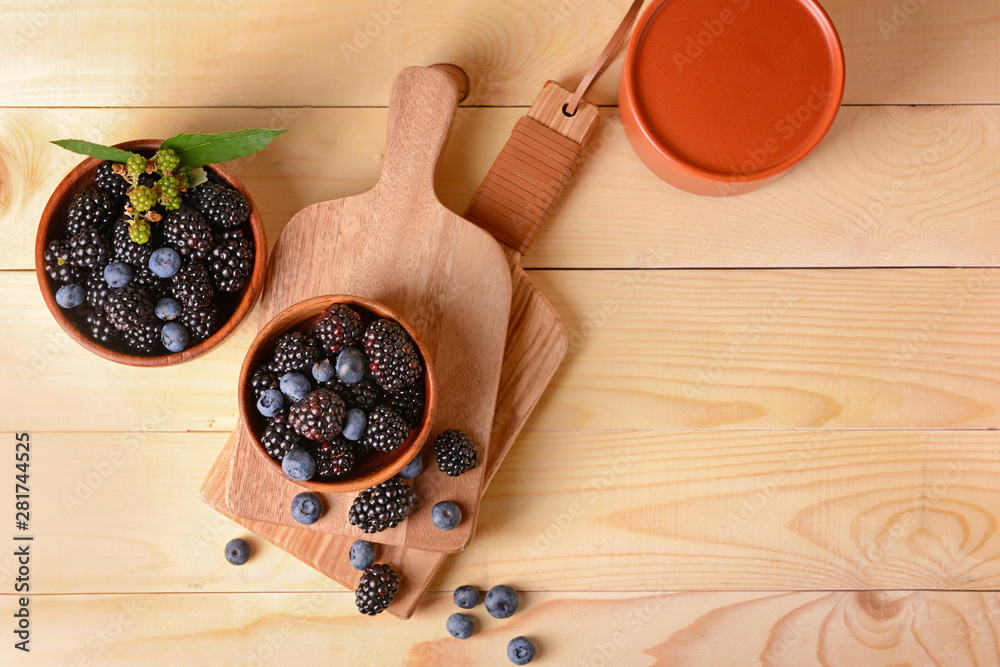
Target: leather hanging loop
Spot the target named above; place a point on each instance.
(603, 60)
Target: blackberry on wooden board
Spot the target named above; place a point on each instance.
(201, 321)
(261, 380)
(98, 289)
(454, 453)
(363, 395)
(335, 458)
(377, 589)
(318, 416)
(145, 337)
(409, 402)
(392, 357)
(100, 329)
(337, 327)
(279, 438)
(192, 286)
(111, 183)
(231, 264)
(125, 249)
(382, 506)
(88, 249)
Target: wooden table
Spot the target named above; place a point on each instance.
(772, 442)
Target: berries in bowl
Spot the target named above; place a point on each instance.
(167, 252)
(337, 393)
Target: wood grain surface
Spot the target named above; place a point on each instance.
(773, 440)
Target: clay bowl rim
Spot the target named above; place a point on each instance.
(292, 317)
(78, 180)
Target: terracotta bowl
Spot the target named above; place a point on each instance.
(53, 224)
(379, 466)
(721, 97)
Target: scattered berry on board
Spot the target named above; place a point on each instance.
(446, 515)
(362, 555)
(376, 590)
(520, 650)
(413, 468)
(454, 453)
(501, 601)
(460, 626)
(382, 506)
(466, 597)
(307, 508)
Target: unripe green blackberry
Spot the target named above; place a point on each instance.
(142, 198)
(139, 232)
(183, 175)
(168, 193)
(136, 165)
(166, 160)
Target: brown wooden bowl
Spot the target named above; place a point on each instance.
(379, 466)
(53, 225)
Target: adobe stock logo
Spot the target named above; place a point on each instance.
(697, 44)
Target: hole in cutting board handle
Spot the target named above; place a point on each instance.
(458, 74)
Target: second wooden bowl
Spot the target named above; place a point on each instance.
(379, 466)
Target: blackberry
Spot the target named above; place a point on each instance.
(144, 337)
(376, 590)
(363, 395)
(98, 290)
(125, 249)
(186, 230)
(386, 430)
(100, 329)
(279, 438)
(154, 286)
(337, 327)
(93, 209)
(335, 458)
(318, 416)
(114, 185)
(294, 351)
(128, 308)
(87, 248)
(231, 264)
(392, 357)
(382, 506)
(221, 206)
(58, 264)
(454, 452)
(192, 286)
(409, 402)
(261, 380)
(201, 321)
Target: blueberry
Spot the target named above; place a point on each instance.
(168, 309)
(237, 551)
(307, 507)
(354, 424)
(521, 650)
(460, 626)
(165, 262)
(466, 597)
(70, 296)
(299, 465)
(413, 468)
(295, 386)
(501, 601)
(446, 515)
(118, 274)
(351, 364)
(323, 371)
(271, 402)
(174, 336)
(362, 555)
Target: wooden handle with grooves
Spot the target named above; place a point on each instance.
(533, 168)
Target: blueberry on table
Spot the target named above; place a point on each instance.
(466, 597)
(413, 468)
(237, 551)
(362, 555)
(460, 626)
(307, 508)
(521, 650)
(446, 515)
(501, 601)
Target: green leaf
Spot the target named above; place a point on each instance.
(197, 150)
(94, 150)
(198, 176)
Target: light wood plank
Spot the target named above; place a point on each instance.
(839, 629)
(890, 186)
(648, 349)
(265, 53)
(590, 511)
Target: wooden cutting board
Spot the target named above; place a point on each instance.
(397, 244)
(536, 344)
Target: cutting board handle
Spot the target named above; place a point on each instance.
(421, 109)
